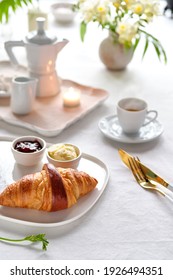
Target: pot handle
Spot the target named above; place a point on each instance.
(9, 45)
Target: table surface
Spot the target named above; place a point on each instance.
(127, 222)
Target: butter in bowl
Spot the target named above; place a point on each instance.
(64, 155)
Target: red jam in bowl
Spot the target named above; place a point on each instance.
(28, 146)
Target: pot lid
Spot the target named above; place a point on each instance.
(40, 36)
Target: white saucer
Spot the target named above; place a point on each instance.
(110, 127)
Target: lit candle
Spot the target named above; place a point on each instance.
(71, 97)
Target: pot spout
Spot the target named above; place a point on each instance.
(60, 45)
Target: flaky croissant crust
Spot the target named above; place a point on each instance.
(51, 189)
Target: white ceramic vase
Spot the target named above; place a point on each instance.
(114, 55)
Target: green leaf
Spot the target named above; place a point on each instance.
(83, 29)
(32, 238)
(164, 55)
(145, 48)
(136, 43)
(7, 5)
(156, 49)
(25, 2)
(38, 238)
(157, 45)
(159, 50)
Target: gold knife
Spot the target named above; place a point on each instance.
(148, 172)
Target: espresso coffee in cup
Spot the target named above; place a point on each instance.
(133, 113)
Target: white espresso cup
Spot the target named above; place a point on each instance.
(23, 95)
(133, 113)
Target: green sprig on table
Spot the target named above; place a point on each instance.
(31, 238)
(7, 5)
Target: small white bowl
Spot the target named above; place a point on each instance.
(26, 158)
(63, 12)
(71, 163)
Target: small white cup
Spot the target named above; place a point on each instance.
(132, 113)
(23, 95)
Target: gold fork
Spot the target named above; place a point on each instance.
(140, 177)
(144, 182)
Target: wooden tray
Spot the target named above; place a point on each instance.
(50, 117)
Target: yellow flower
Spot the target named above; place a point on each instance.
(122, 28)
(117, 4)
(100, 9)
(138, 9)
(125, 18)
(127, 31)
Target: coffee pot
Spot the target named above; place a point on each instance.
(41, 52)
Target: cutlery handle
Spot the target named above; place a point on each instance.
(170, 187)
(168, 193)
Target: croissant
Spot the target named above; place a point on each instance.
(51, 189)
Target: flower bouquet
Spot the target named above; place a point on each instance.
(126, 20)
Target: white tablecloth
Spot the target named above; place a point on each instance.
(127, 222)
